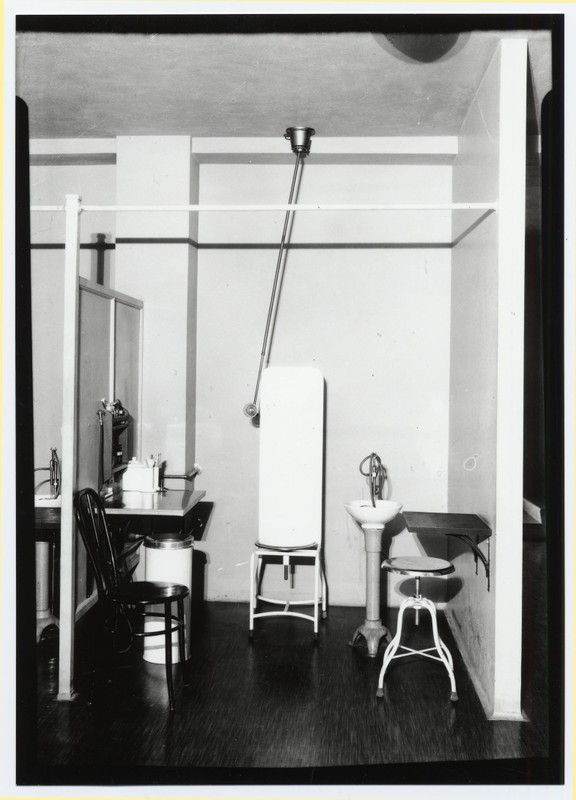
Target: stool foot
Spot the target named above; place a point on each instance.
(453, 697)
(380, 693)
(324, 615)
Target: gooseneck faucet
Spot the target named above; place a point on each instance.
(54, 469)
(376, 472)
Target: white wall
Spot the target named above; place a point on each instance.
(486, 382)
(373, 318)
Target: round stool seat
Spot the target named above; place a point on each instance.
(286, 549)
(421, 566)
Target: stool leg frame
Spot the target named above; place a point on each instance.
(316, 587)
(324, 588)
(320, 590)
(417, 603)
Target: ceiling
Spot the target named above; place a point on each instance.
(344, 84)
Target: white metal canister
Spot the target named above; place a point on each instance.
(139, 476)
(168, 557)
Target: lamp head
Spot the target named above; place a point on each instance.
(300, 139)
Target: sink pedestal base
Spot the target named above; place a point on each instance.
(44, 589)
(45, 622)
(372, 629)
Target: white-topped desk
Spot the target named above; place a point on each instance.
(134, 515)
(168, 510)
(168, 506)
(168, 503)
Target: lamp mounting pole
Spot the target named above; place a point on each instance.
(300, 143)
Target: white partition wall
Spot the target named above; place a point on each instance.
(486, 380)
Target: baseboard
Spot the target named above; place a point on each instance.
(511, 717)
(487, 705)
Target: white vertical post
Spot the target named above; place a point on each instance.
(111, 366)
(510, 398)
(157, 170)
(69, 395)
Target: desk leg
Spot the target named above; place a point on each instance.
(372, 629)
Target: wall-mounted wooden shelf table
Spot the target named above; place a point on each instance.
(469, 528)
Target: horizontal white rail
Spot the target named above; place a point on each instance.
(288, 207)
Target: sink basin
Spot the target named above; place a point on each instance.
(46, 501)
(364, 513)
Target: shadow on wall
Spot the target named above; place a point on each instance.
(392, 529)
(200, 560)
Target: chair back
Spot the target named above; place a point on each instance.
(93, 527)
(291, 457)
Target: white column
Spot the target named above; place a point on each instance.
(508, 540)
(156, 262)
(69, 386)
(486, 392)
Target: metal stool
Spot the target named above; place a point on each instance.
(312, 552)
(418, 567)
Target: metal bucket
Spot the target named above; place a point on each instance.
(168, 557)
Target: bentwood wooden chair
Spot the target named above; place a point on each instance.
(117, 596)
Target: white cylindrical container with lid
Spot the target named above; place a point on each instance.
(168, 558)
(141, 476)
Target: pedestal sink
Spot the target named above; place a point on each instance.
(372, 518)
(364, 513)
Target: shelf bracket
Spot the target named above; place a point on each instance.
(478, 554)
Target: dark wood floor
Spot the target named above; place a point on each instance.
(285, 710)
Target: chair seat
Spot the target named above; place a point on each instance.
(286, 548)
(289, 555)
(144, 592)
(421, 566)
